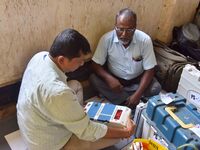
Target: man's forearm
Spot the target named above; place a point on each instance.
(100, 71)
(145, 81)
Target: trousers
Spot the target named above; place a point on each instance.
(129, 88)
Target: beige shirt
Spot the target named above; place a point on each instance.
(48, 111)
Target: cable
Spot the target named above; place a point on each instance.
(187, 145)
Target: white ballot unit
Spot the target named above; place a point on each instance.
(189, 85)
(114, 115)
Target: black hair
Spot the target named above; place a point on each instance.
(128, 12)
(69, 43)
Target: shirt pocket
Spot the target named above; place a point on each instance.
(136, 66)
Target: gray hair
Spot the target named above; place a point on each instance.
(128, 12)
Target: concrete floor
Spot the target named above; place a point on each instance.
(7, 125)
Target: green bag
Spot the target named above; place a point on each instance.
(170, 66)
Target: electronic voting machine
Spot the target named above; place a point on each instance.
(114, 115)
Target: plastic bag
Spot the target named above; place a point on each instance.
(145, 144)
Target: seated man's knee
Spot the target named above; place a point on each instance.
(156, 89)
(75, 85)
(153, 89)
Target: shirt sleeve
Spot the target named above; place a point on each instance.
(149, 59)
(100, 54)
(65, 109)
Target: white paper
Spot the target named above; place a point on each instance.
(196, 130)
(165, 98)
(15, 141)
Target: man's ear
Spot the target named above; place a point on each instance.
(60, 59)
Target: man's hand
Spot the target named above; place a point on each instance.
(114, 84)
(133, 100)
(126, 132)
(130, 127)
